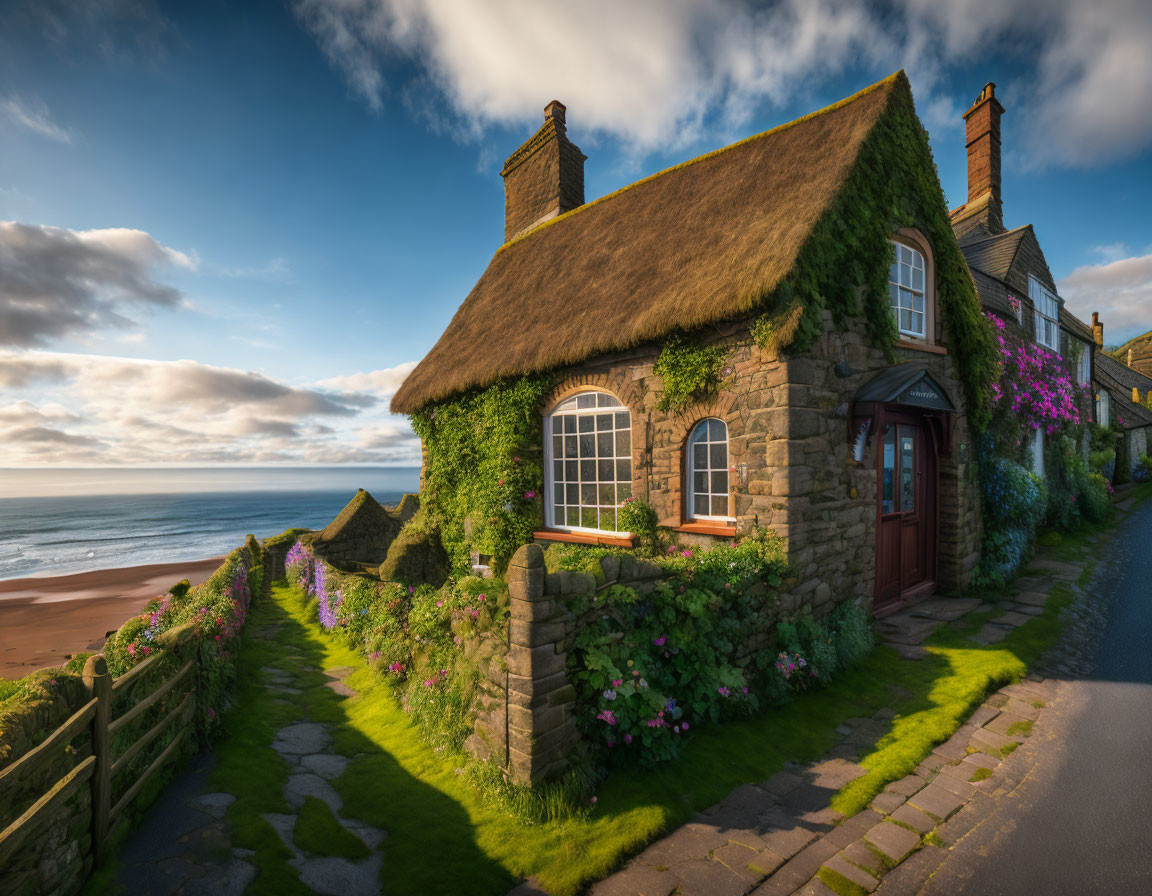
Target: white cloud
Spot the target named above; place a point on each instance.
(56, 282)
(74, 408)
(657, 73)
(1121, 290)
(381, 383)
(33, 115)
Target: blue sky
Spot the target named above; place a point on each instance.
(291, 199)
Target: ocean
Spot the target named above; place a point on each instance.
(70, 521)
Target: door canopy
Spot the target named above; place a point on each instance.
(907, 384)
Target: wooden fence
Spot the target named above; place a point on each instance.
(139, 691)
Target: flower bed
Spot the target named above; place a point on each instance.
(217, 609)
(705, 644)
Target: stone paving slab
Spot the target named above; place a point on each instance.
(798, 870)
(937, 801)
(857, 875)
(945, 609)
(892, 840)
(860, 853)
(1012, 618)
(907, 785)
(912, 817)
(1007, 720)
(991, 634)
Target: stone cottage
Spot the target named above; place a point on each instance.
(820, 258)
(1121, 397)
(1008, 266)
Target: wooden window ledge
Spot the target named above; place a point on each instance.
(724, 530)
(611, 541)
(921, 347)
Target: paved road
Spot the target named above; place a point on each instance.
(1081, 821)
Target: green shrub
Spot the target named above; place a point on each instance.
(637, 517)
(416, 556)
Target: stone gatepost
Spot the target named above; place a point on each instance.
(541, 701)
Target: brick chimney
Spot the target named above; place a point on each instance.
(1097, 329)
(982, 136)
(544, 177)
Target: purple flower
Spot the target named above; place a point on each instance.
(609, 695)
(627, 738)
(659, 642)
(723, 691)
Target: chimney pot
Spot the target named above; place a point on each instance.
(1097, 329)
(554, 111)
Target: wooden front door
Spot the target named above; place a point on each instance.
(906, 505)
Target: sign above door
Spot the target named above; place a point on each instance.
(907, 384)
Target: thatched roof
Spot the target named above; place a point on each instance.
(698, 244)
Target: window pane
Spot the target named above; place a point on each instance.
(719, 505)
(588, 517)
(607, 494)
(905, 275)
(587, 400)
(585, 424)
(907, 469)
(588, 495)
(569, 424)
(557, 446)
(700, 456)
(587, 471)
(720, 483)
(622, 420)
(605, 400)
(572, 491)
(887, 476)
(701, 505)
(558, 493)
(587, 445)
(894, 272)
(558, 470)
(717, 431)
(917, 302)
(623, 471)
(905, 255)
(917, 324)
(623, 492)
(606, 470)
(571, 470)
(573, 516)
(604, 444)
(893, 295)
(719, 456)
(623, 443)
(571, 448)
(917, 278)
(699, 482)
(603, 422)
(905, 319)
(608, 518)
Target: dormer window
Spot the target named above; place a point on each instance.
(907, 291)
(1047, 306)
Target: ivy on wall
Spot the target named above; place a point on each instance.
(483, 468)
(843, 266)
(690, 372)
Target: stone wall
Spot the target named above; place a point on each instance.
(527, 722)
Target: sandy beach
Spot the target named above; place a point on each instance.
(45, 619)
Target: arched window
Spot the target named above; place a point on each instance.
(707, 464)
(588, 462)
(907, 291)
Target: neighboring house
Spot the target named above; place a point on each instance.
(853, 447)
(1008, 266)
(1120, 394)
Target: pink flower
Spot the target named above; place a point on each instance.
(723, 692)
(482, 597)
(530, 494)
(627, 738)
(439, 603)
(427, 682)
(131, 650)
(616, 682)
(659, 642)
(683, 726)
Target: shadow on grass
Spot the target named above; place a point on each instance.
(431, 844)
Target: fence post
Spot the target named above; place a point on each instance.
(98, 683)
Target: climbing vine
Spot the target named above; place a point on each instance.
(843, 266)
(690, 372)
(483, 468)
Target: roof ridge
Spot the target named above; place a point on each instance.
(895, 77)
(995, 236)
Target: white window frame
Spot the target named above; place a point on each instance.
(689, 490)
(915, 264)
(1036, 449)
(1046, 305)
(606, 403)
(1103, 407)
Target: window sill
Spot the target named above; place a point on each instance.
(612, 541)
(721, 529)
(921, 347)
